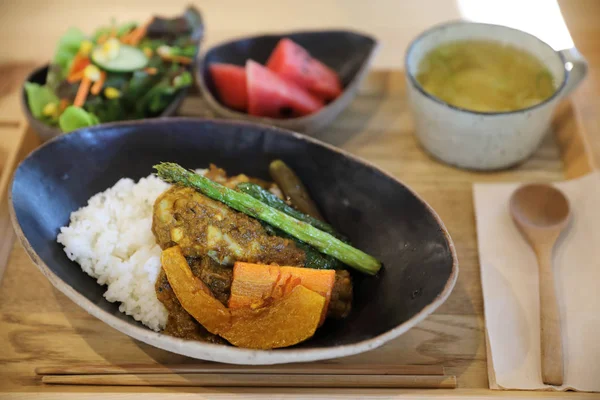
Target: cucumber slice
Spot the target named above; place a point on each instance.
(128, 59)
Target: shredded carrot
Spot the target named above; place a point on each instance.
(103, 38)
(82, 92)
(113, 32)
(75, 63)
(126, 38)
(178, 59)
(131, 37)
(126, 33)
(97, 86)
(182, 60)
(76, 77)
(77, 66)
(139, 33)
(64, 103)
(150, 70)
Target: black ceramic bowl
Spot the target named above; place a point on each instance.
(46, 132)
(347, 53)
(379, 214)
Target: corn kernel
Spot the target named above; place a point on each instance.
(112, 93)
(176, 234)
(50, 110)
(85, 48)
(148, 52)
(177, 81)
(92, 73)
(164, 51)
(111, 48)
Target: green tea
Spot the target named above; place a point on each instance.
(485, 76)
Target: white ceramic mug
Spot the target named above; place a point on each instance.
(482, 140)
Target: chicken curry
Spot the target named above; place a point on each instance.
(233, 266)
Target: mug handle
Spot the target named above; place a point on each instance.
(578, 70)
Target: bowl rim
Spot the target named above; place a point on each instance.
(413, 81)
(215, 103)
(219, 352)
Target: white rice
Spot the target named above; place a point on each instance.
(112, 240)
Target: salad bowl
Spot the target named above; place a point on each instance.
(119, 72)
(46, 132)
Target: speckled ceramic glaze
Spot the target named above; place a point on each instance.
(478, 140)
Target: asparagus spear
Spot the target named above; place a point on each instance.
(322, 241)
(293, 188)
(314, 259)
(270, 199)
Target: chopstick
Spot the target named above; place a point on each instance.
(221, 375)
(258, 380)
(299, 369)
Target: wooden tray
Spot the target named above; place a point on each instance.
(17, 140)
(41, 327)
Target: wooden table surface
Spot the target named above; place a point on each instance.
(377, 127)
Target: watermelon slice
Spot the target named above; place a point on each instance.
(230, 82)
(291, 61)
(272, 96)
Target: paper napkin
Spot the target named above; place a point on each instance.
(509, 276)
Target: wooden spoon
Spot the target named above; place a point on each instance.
(541, 212)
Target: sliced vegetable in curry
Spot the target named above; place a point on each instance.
(289, 320)
(322, 241)
(251, 270)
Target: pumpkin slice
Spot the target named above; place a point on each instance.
(288, 321)
(195, 297)
(257, 285)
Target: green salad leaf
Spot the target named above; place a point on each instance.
(126, 27)
(139, 86)
(38, 97)
(183, 80)
(186, 51)
(107, 110)
(157, 98)
(103, 30)
(120, 30)
(76, 117)
(160, 95)
(68, 46)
